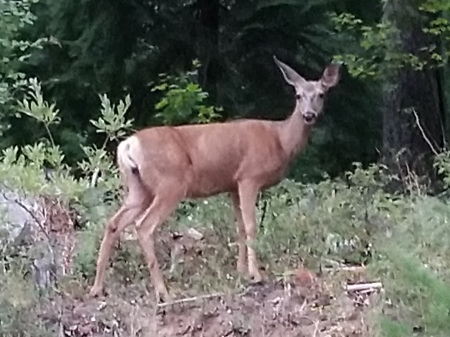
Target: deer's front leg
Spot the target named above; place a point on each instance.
(248, 192)
(242, 247)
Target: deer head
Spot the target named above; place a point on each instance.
(310, 95)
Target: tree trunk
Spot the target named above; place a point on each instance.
(208, 44)
(413, 116)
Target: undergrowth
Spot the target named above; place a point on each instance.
(402, 238)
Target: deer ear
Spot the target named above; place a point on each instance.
(331, 75)
(290, 75)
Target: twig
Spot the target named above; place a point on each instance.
(346, 268)
(95, 177)
(303, 306)
(60, 323)
(229, 332)
(353, 268)
(316, 329)
(423, 132)
(316, 324)
(190, 299)
(364, 286)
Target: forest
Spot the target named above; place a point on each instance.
(353, 242)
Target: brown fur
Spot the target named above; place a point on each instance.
(161, 166)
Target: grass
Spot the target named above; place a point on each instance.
(416, 271)
(403, 239)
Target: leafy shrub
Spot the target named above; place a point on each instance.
(352, 219)
(183, 99)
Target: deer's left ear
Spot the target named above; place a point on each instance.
(331, 76)
(290, 75)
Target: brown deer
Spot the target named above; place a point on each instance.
(161, 166)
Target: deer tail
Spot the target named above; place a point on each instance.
(126, 154)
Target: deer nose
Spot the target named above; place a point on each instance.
(309, 116)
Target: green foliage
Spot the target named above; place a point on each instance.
(91, 54)
(183, 99)
(113, 122)
(442, 163)
(416, 269)
(393, 329)
(18, 300)
(15, 15)
(364, 58)
(23, 168)
(347, 219)
(375, 49)
(413, 263)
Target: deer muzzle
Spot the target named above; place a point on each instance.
(309, 117)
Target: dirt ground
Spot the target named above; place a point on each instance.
(297, 306)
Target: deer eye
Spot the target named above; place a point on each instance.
(321, 95)
(298, 97)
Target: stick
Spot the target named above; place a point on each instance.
(364, 286)
(190, 299)
(424, 135)
(345, 268)
(316, 324)
(95, 177)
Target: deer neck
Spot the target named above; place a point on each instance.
(294, 133)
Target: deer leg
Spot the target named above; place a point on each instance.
(248, 192)
(161, 208)
(122, 219)
(242, 253)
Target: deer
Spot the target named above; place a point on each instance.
(162, 165)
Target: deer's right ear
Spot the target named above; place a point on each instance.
(290, 75)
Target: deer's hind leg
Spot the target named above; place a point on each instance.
(167, 197)
(136, 201)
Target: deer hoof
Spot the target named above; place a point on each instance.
(163, 297)
(256, 278)
(96, 291)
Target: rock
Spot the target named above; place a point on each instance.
(44, 227)
(17, 215)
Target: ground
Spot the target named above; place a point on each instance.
(299, 303)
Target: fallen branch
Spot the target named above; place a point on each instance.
(190, 299)
(354, 269)
(364, 286)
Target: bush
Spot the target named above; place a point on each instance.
(351, 219)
